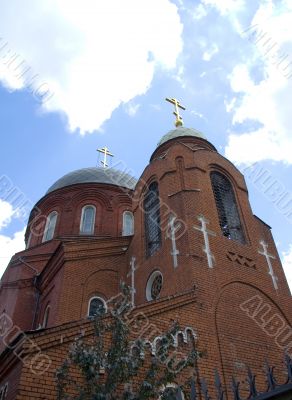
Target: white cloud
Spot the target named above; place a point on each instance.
(179, 76)
(199, 12)
(265, 102)
(225, 6)
(229, 105)
(208, 54)
(6, 213)
(8, 247)
(92, 55)
(198, 114)
(287, 265)
(131, 109)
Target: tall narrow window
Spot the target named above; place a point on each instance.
(46, 317)
(96, 306)
(229, 218)
(128, 223)
(28, 242)
(152, 219)
(87, 220)
(50, 226)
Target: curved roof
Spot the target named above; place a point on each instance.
(181, 131)
(110, 176)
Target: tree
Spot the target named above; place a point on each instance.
(100, 369)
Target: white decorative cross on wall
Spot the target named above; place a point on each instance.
(206, 232)
(268, 258)
(172, 229)
(132, 274)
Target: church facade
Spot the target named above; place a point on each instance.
(183, 237)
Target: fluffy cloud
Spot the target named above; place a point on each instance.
(9, 246)
(89, 56)
(287, 265)
(208, 54)
(131, 109)
(264, 101)
(6, 213)
(225, 6)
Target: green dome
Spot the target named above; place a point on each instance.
(181, 131)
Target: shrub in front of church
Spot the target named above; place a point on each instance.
(113, 366)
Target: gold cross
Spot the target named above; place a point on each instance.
(106, 153)
(177, 105)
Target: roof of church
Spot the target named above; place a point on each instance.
(181, 131)
(95, 175)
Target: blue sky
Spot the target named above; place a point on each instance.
(77, 75)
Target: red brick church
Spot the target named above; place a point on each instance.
(183, 236)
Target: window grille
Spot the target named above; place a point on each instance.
(228, 214)
(152, 220)
(3, 391)
(156, 287)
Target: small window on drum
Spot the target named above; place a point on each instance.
(96, 306)
(128, 223)
(50, 226)
(154, 286)
(87, 220)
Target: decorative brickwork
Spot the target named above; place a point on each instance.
(241, 260)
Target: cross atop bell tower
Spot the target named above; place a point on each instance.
(177, 105)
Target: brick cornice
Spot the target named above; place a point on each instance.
(19, 284)
(95, 247)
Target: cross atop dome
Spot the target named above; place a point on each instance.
(105, 152)
(177, 105)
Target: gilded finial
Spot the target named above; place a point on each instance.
(105, 152)
(177, 105)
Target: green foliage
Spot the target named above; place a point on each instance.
(95, 371)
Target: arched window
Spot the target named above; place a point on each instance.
(152, 219)
(46, 317)
(87, 220)
(50, 226)
(228, 214)
(128, 223)
(96, 306)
